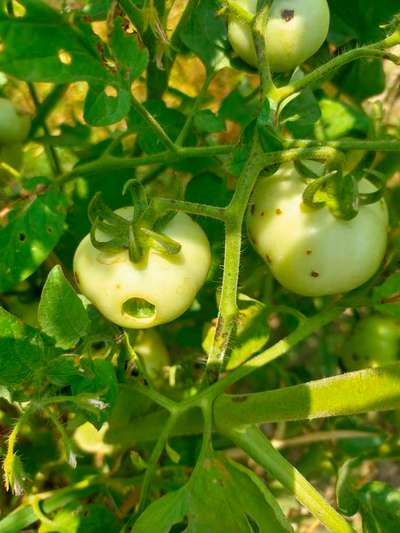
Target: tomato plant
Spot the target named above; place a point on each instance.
(199, 268)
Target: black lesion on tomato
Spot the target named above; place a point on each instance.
(278, 211)
(308, 252)
(314, 274)
(253, 209)
(287, 14)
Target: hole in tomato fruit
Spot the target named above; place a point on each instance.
(22, 237)
(314, 274)
(287, 14)
(64, 57)
(139, 308)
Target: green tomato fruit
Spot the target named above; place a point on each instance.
(155, 291)
(296, 29)
(12, 155)
(374, 342)
(14, 128)
(153, 353)
(310, 252)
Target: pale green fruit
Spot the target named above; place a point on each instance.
(155, 291)
(296, 29)
(309, 251)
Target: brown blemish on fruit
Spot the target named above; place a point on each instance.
(278, 211)
(76, 277)
(314, 274)
(262, 213)
(308, 252)
(287, 14)
(268, 258)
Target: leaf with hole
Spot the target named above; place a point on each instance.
(34, 228)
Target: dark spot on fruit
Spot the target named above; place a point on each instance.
(287, 14)
(253, 209)
(308, 252)
(22, 237)
(262, 213)
(76, 277)
(314, 274)
(268, 258)
(278, 211)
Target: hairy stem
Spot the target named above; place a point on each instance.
(324, 71)
(152, 463)
(51, 152)
(233, 241)
(111, 163)
(158, 130)
(192, 208)
(199, 100)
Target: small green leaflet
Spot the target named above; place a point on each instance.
(62, 315)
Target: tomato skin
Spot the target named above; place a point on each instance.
(14, 128)
(167, 282)
(374, 342)
(310, 252)
(296, 29)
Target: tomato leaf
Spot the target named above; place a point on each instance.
(379, 507)
(61, 312)
(204, 33)
(240, 502)
(22, 350)
(33, 230)
(66, 51)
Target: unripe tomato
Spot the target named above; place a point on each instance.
(155, 291)
(14, 128)
(12, 155)
(309, 251)
(295, 30)
(374, 342)
(153, 353)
